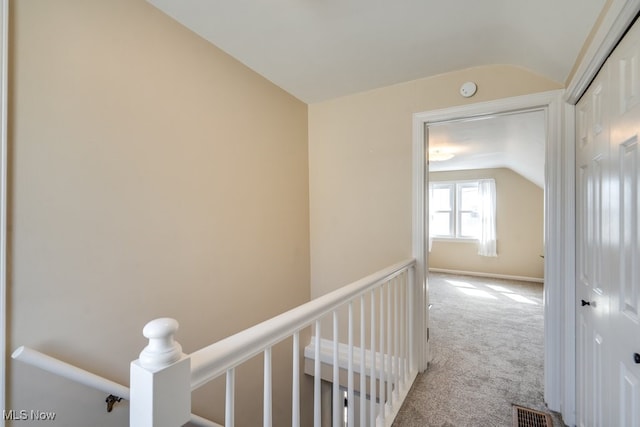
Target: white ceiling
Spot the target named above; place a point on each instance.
(515, 141)
(322, 49)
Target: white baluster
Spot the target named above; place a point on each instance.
(408, 320)
(317, 402)
(350, 400)
(396, 336)
(372, 375)
(389, 365)
(403, 330)
(160, 379)
(295, 387)
(425, 323)
(411, 301)
(363, 366)
(382, 356)
(338, 403)
(229, 411)
(266, 410)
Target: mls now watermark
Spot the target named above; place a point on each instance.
(28, 415)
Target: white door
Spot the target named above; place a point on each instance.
(608, 240)
(593, 287)
(624, 222)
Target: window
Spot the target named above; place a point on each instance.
(455, 210)
(464, 210)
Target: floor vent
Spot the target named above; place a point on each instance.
(525, 417)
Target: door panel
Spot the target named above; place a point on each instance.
(624, 222)
(598, 368)
(608, 241)
(628, 282)
(582, 359)
(592, 154)
(629, 391)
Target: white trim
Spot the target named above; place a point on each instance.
(500, 106)
(557, 198)
(568, 407)
(491, 275)
(454, 240)
(4, 39)
(419, 243)
(615, 23)
(555, 357)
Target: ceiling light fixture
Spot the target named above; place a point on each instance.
(437, 155)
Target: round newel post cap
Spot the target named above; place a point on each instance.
(162, 350)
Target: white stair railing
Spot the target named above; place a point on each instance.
(387, 365)
(116, 391)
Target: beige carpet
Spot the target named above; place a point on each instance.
(487, 354)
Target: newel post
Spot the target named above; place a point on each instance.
(160, 379)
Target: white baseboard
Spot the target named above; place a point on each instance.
(492, 275)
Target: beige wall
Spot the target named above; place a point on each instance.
(519, 229)
(151, 175)
(360, 167)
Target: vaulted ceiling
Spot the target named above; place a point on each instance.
(322, 49)
(515, 141)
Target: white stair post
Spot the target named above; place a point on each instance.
(160, 379)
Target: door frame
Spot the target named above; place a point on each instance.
(560, 214)
(559, 307)
(613, 24)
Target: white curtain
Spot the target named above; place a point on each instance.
(487, 212)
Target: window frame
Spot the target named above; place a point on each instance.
(455, 213)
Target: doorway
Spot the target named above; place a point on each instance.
(559, 376)
(486, 229)
(486, 180)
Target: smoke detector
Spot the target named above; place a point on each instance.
(468, 89)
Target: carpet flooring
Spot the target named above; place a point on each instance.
(486, 340)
